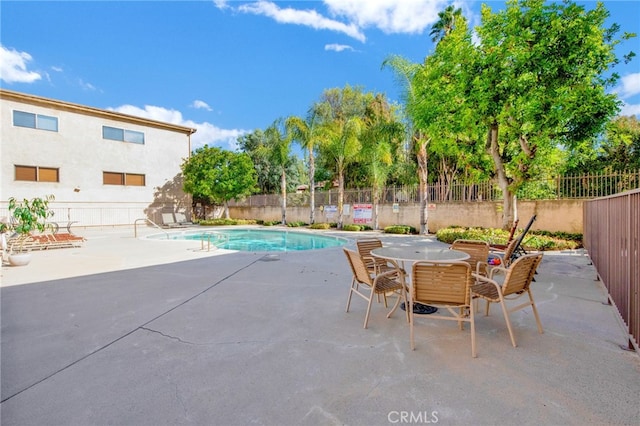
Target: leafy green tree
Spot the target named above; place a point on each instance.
(341, 112)
(279, 146)
(539, 80)
(216, 176)
(255, 145)
(621, 144)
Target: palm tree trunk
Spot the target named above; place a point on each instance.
(312, 187)
(423, 175)
(283, 189)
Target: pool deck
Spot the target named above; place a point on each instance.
(143, 332)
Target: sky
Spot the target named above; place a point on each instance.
(228, 67)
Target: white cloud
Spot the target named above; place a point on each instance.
(86, 86)
(309, 18)
(390, 16)
(628, 110)
(206, 134)
(337, 47)
(629, 86)
(198, 104)
(13, 67)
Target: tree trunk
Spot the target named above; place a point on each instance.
(503, 180)
(340, 197)
(376, 202)
(424, 194)
(312, 189)
(283, 189)
(226, 210)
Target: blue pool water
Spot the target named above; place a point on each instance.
(257, 239)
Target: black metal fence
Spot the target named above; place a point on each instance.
(562, 187)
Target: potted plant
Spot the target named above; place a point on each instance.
(26, 216)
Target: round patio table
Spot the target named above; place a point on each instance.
(415, 254)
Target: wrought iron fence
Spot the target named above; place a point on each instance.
(584, 186)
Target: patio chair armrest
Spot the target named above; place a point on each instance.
(497, 269)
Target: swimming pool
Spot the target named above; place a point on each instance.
(257, 239)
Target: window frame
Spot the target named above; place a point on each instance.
(124, 179)
(37, 119)
(19, 172)
(123, 135)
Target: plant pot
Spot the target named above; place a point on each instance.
(19, 259)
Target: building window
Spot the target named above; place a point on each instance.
(35, 121)
(122, 135)
(37, 174)
(128, 179)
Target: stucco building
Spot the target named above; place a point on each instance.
(103, 167)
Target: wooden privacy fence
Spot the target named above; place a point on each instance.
(612, 238)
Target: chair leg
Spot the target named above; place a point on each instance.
(353, 281)
(366, 317)
(395, 306)
(411, 320)
(473, 332)
(506, 318)
(535, 312)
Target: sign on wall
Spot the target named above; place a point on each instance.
(362, 213)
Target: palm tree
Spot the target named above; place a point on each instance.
(305, 132)
(378, 147)
(342, 113)
(445, 24)
(405, 72)
(279, 144)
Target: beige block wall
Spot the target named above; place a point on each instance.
(551, 215)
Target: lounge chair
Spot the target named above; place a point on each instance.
(516, 283)
(168, 221)
(181, 219)
(514, 248)
(382, 284)
(444, 286)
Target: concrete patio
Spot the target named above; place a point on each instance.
(138, 332)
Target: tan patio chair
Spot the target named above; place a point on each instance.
(445, 286)
(478, 252)
(375, 265)
(516, 283)
(365, 286)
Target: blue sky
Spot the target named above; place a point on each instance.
(230, 67)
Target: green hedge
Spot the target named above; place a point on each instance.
(400, 229)
(223, 222)
(535, 240)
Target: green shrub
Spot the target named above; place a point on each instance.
(271, 222)
(355, 228)
(223, 222)
(296, 224)
(534, 240)
(320, 226)
(400, 229)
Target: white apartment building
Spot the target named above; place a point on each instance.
(102, 167)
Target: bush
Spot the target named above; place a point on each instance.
(400, 229)
(224, 222)
(296, 224)
(535, 240)
(320, 226)
(356, 228)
